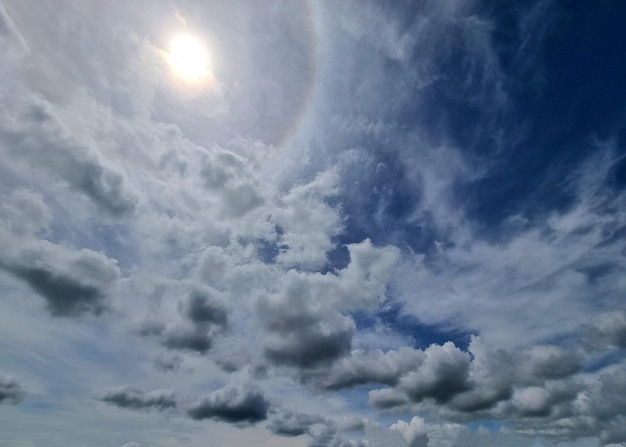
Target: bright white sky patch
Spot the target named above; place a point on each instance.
(189, 58)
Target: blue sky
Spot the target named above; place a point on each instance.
(313, 224)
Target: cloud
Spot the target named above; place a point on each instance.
(365, 368)
(203, 316)
(137, 399)
(225, 175)
(203, 308)
(236, 404)
(73, 282)
(35, 139)
(25, 212)
(308, 222)
(415, 432)
(301, 333)
(286, 422)
(608, 329)
(11, 391)
(166, 364)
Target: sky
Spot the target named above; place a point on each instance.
(312, 223)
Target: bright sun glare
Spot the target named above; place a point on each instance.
(189, 58)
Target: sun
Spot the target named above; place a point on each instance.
(189, 58)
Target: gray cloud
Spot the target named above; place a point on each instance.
(166, 364)
(38, 139)
(237, 404)
(286, 422)
(443, 374)
(226, 175)
(202, 307)
(364, 368)
(204, 316)
(73, 282)
(138, 399)
(11, 391)
(25, 212)
(193, 338)
(448, 379)
(300, 332)
(608, 329)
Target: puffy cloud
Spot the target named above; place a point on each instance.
(443, 374)
(237, 404)
(308, 222)
(286, 422)
(364, 368)
(37, 139)
(73, 282)
(302, 332)
(194, 338)
(487, 383)
(11, 391)
(138, 399)
(203, 317)
(415, 432)
(225, 176)
(202, 307)
(546, 362)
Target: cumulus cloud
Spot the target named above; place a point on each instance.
(301, 333)
(262, 253)
(236, 404)
(11, 391)
(203, 316)
(363, 368)
(286, 422)
(73, 282)
(35, 137)
(415, 432)
(138, 399)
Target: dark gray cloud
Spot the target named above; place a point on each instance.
(443, 374)
(466, 387)
(204, 317)
(11, 391)
(65, 296)
(300, 333)
(365, 368)
(237, 404)
(546, 362)
(138, 399)
(72, 282)
(194, 338)
(201, 307)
